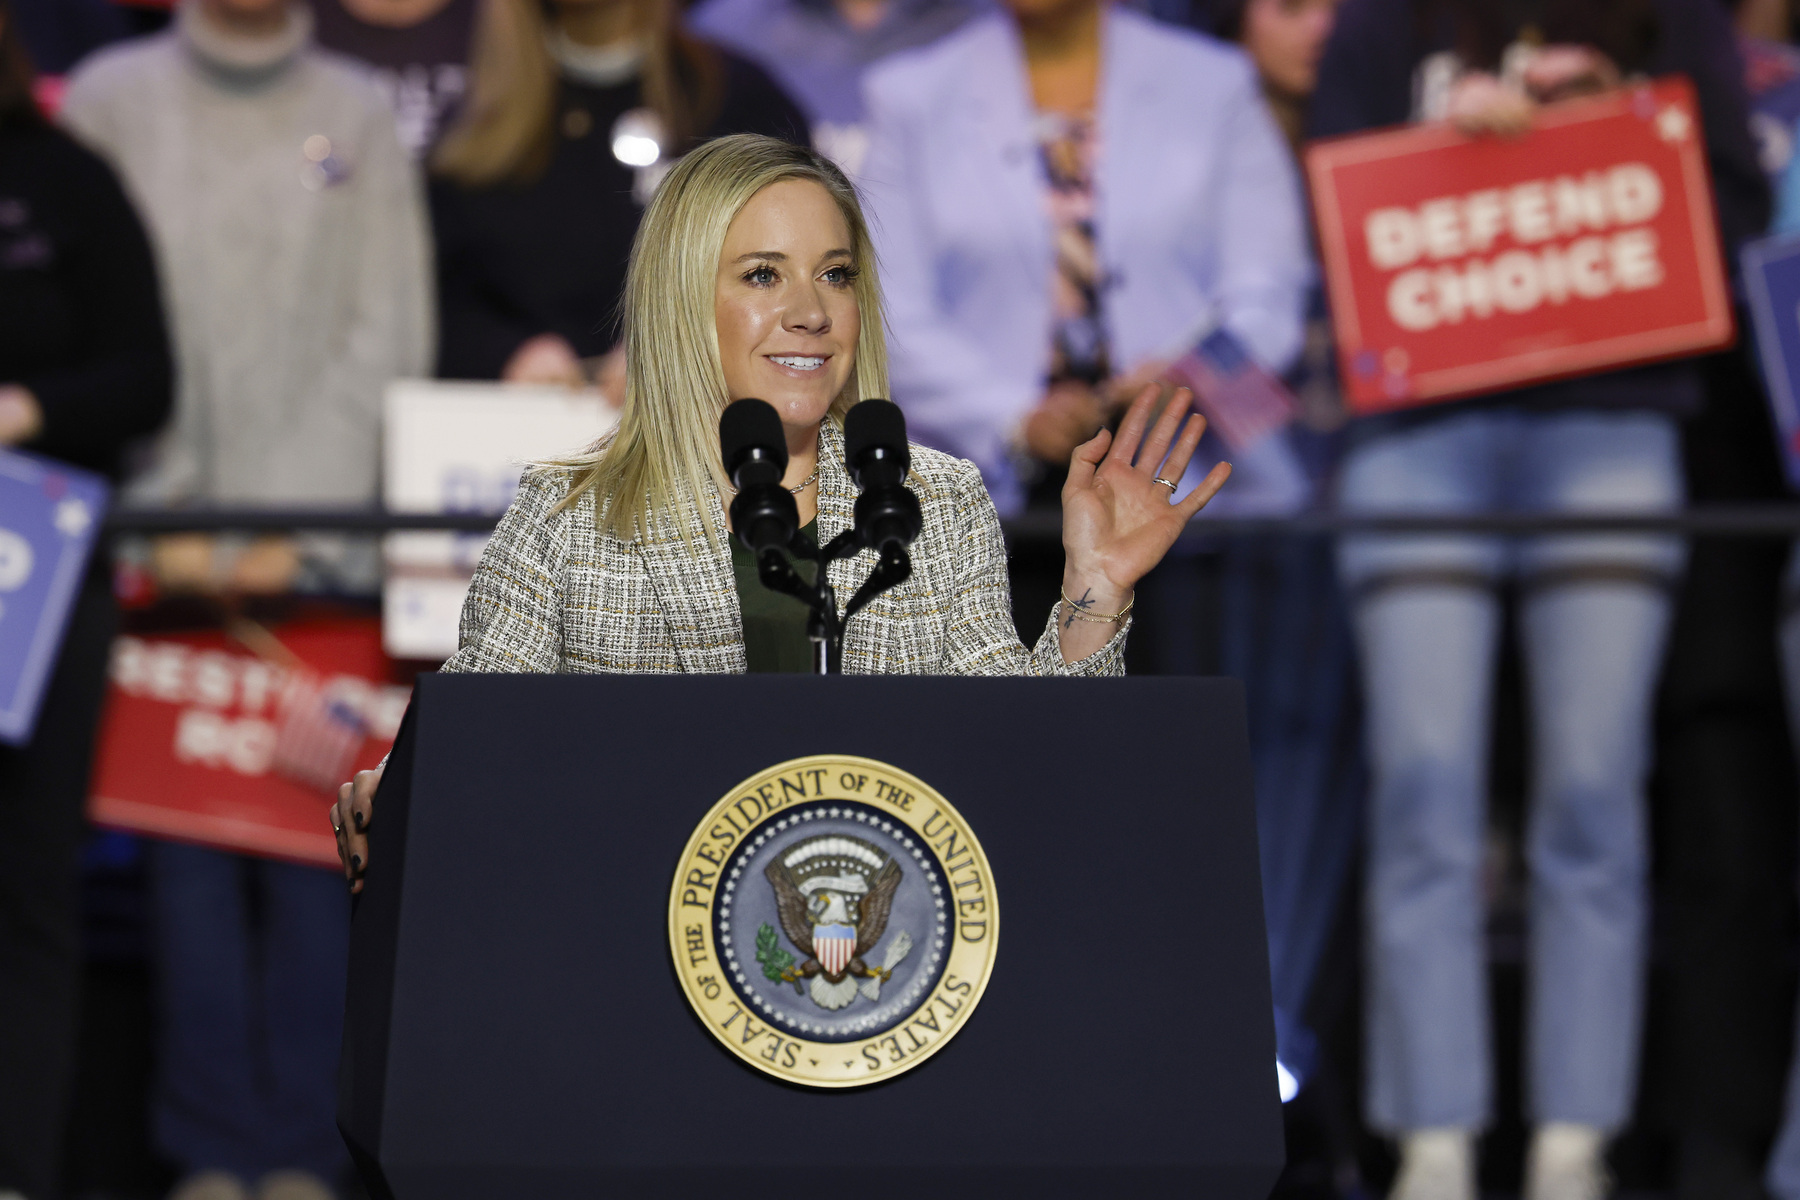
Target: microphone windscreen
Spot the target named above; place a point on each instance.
(750, 424)
(875, 423)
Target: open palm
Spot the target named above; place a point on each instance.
(1118, 521)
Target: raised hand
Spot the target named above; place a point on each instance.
(1119, 517)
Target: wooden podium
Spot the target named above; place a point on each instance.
(516, 1026)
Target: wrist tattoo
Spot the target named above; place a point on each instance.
(1083, 610)
(1084, 604)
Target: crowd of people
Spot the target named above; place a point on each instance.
(222, 238)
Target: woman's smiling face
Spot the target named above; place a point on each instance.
(785, 303)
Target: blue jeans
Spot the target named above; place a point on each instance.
(1593, 617)
(251, 979)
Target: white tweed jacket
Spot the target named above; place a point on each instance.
(554, 594)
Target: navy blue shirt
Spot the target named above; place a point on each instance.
(81, 319)
(516, 260)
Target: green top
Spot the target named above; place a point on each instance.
(775, 641)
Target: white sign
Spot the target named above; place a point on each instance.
(457, 447)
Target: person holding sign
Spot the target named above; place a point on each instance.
(84, 369)
(287, 220)
(1783, 1170)
(1593, 617)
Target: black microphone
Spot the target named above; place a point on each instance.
(754, 449)
(887, 512)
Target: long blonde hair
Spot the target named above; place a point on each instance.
(665, 449)
(507, 128)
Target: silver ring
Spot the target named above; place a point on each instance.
(336, 825)
(1165, 483)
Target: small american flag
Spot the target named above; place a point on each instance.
(1242, 402)
(834, 946)
(320, 734)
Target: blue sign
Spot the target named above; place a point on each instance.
(49, 517)
(1772, 279)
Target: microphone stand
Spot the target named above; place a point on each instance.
(824, 628)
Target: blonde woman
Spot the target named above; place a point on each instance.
(575, 109)
(752, 275)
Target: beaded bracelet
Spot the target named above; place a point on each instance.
(1077, 613)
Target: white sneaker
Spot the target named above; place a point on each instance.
(210, 1185)
(1436, 1164)
(293, 1185)
(1567, 1162)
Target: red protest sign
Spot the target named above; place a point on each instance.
(1461, 265)
(204, 741)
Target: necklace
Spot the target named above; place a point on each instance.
(796, 490)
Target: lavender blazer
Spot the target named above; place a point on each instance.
(1200, 221)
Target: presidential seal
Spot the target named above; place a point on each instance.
(833, 921)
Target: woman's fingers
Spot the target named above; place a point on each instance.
(1086, 460)
(1137, 418)
(356, 857)
(352, 850)
(1162, 434)
(1176, 463)
(335, 814)
(351, 817)
(1481, 102)
(1560, 71)
(362, 800)
(1209, 487)
(1175, 467)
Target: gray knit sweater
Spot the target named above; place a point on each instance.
(290, 230)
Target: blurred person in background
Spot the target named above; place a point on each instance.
(1281, 615)
(1725, 785)
(1093, 190)
(576, 109)
(84, 370)
(59, 33)
(1766, 24)
(1594, 614)
(819, 49)
(1771, 76)
(1286, 40)
(289, 228)
(418, 51)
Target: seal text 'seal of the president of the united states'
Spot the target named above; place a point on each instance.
(833, 921)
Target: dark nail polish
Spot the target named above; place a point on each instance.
(356, 862)
(358, 818)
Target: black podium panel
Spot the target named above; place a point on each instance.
(516, 1028)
